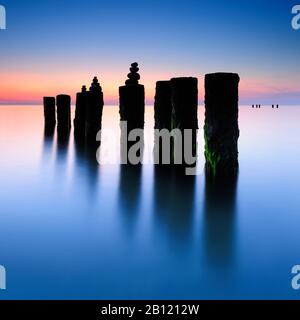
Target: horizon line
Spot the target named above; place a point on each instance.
(146, 104)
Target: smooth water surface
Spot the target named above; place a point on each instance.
(70, 229)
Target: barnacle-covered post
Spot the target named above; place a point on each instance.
(221, 124)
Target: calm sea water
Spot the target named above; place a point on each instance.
(70, 229)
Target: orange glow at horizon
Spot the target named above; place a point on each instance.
(32, 87)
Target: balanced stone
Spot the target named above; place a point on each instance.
(49, 112)
(221, 124)
(133, 76)
(94, 111)
(63, 103)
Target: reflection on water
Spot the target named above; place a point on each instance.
(70, 228)
(62, 145)
(173, 202)
(219, 221)
(49, 134)
(130, 184)
(85, 159)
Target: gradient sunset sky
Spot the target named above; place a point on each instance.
(55, 46)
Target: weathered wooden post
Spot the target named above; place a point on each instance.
(49, 112)
(94, 111)
(221, 124)
(163, 120)
(63, 103)
(185, 118)
(80, 113)
(132, 109)
(163, 105)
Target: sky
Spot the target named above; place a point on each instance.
(53, 46)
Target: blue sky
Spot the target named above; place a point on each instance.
(52, 46)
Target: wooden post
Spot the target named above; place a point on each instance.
(132, 100)
(94, 111)
(132, 110)
(163, 105)
(80, 113)
(49, 112)
(221, 124)
(63, 112)
(185, 114)
(163, 120)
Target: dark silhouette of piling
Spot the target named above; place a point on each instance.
(63, 103)
(132, 112)
(163, 105)
(49, 112)
(221, 124)
(184, 92)
(277, 106)
(94, 111)
(163, 121)
(184, 103)
(80, 113)
(132, 100)
(253, 106)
